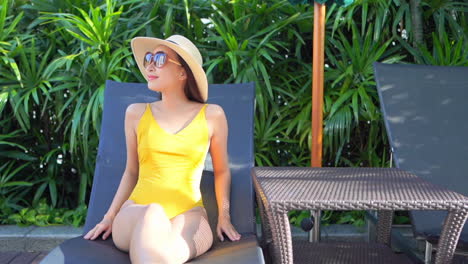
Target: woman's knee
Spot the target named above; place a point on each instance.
(154, 213)
(154, 210)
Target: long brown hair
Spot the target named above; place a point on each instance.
(191, 88)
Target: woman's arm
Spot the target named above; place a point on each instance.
(129, 178)
(219, 156)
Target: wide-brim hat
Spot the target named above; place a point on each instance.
(182, 46)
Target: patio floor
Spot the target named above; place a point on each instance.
(18, 257)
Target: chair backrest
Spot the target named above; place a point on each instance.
(426, 117)
(237, 101)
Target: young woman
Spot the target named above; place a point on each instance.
(157, 214)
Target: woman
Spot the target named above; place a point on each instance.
(157, 214)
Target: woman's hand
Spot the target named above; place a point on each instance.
(104, 226)
(225, 226)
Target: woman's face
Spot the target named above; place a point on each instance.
(169, 76)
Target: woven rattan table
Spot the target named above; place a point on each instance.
(282, 189)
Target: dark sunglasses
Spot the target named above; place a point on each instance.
(159, 59)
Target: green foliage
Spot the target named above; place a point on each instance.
(355, 218)
(446, 51)
(296, 217)
(327, 2)
(401, 217)
(45, 215)
(56, 55)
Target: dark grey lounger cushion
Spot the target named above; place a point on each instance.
(425, 111)
(237, 101)
(78, 250)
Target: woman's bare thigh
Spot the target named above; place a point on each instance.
(191, 233)
(124, 223)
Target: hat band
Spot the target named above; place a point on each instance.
(173, 42)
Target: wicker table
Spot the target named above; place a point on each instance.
(282, 189)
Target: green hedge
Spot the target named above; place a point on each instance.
(55, 56)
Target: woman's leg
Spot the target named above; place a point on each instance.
(124, 223)
(191, 234)
(170, 241)
(149, 242)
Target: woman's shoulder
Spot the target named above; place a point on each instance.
(214, 111)
(135, 110)
(215, 117)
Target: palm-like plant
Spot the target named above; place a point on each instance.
(56, 55)
(29, 93)
(448, 16)
(446, 50)
(12, 186)
(246, 44)
(351, 99)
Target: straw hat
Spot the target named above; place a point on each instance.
(182, 46)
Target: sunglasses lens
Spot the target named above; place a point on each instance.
(160, 59)
(147, 59)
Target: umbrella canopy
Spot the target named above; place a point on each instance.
(317, 75)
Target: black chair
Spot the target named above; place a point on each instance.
(237, 101)
(425, 110)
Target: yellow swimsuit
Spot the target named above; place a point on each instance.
(170, 165)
